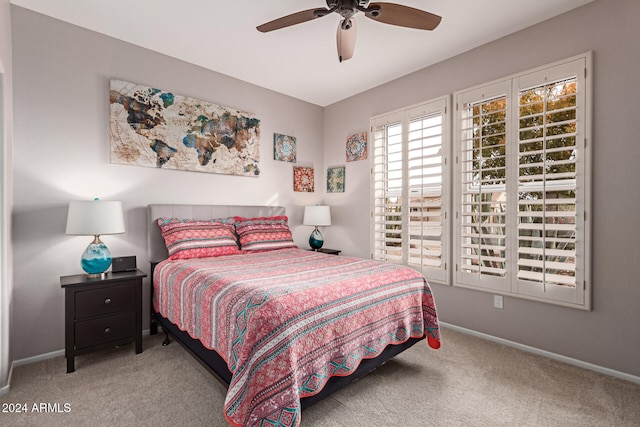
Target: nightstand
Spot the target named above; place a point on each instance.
(102, 312)
(327, 251)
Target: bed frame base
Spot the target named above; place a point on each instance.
(209, 359)
(217, 367)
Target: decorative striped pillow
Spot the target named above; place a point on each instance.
(198, 239)
(264, 233)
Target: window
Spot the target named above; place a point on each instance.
(521, 185)
(410, 182)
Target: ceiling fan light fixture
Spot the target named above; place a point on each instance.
(346, 40)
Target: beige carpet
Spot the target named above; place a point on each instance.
(468, 382)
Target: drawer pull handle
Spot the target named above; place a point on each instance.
(107, 330)
(107, 301)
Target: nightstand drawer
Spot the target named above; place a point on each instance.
(105, 329)
(95, 302)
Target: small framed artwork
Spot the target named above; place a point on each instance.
(357, 147)
(335, 179)
(284, 148)
(303, 179)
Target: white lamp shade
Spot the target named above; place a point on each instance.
(317, 215)
(93, 218)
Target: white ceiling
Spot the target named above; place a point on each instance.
(300, 61)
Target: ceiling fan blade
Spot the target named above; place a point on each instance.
(293, 19)
(346, 39)
(403, 16)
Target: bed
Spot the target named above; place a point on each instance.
(281, 327)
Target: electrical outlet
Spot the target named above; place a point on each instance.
(498, 301)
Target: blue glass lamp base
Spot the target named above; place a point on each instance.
(96, 259)
(316, 240)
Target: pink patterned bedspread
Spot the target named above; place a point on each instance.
(287, 320)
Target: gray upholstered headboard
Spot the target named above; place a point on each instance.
(156, 246)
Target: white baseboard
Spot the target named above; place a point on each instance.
(50, 355)
(550, 355)
(5, 390)
(39, 358)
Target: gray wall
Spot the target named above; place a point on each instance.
(61, 149)
(608, 336)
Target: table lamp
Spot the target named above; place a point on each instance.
(316, 216)
(95, 218)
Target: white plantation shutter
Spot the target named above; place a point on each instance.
(551, 180)
(424, 157)
(482, 214)
(409, 206)
(388, 197)
(522, 185)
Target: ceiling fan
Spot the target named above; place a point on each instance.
(388, 13)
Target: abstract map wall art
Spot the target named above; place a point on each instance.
(357, 147)
(155, 128)
(284, 148)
